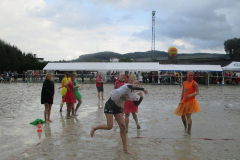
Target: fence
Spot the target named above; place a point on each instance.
(161, 79)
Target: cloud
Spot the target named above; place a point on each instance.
(61, 29)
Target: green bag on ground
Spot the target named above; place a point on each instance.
(37, 121)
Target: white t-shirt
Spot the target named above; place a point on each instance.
(140, 78)
(122, 94)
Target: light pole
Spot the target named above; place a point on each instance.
(153, 33)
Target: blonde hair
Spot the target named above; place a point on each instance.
(132, 78)
(75, 73)
(47, 75)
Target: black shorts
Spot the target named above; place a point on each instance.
(100, 89)
(112, 108)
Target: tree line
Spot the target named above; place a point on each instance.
(12, 58)
(232, 47)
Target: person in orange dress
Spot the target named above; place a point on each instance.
(188, 104)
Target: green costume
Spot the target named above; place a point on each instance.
(77, 94)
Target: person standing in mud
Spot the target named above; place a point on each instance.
(99, 85)
(188, 104)
(78, 96)
(47, 96)
(114, 105)
(69, 97)
(64, 89)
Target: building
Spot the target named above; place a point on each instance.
(114, 59)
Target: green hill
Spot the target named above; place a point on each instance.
(105, 56)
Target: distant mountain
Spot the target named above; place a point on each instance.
(105, 56)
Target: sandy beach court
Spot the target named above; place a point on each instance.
(215, 130)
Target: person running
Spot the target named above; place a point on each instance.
(64, 89)
(69, 97)
(77, 95)
(99, 85)
(188, 104)
(114, 105)
(119, 82)
(47, 96)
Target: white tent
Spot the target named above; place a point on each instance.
(95, 66)
(197, 68)
(234, 66)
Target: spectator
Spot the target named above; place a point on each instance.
(15, 76)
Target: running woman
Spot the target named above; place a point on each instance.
(188, 104)
(114, 105)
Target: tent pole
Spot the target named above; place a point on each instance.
(181, 80)
(159, 77)
(208, 78)
(223, 78)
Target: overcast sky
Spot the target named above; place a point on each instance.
(66, 29)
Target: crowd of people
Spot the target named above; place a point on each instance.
(123, 101)
(8, 77)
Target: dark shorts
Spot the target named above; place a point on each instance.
(112, 108)
(100, 89)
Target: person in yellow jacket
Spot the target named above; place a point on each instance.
(64, 89)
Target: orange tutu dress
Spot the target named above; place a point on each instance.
(187, 105)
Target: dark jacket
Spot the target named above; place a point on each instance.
(47, 92)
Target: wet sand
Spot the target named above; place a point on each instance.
(215, 130)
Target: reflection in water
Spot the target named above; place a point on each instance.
(47, 130)
(100, 104)
(184, 149)
(39, 135)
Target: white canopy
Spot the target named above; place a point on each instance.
(234, 66)
(95, 66)
(199, 68)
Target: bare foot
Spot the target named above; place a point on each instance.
(92, 131)
(50, 120)
(127, 151)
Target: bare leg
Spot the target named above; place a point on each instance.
(135, 117)
(189, 120)
(78, 105)
(184, 122)
(120, 120)
(46, 113)
(61, 105)
(102, 96)
(49, 113)
(126, 121)
(69, 108)
(107, 126)
(99, 95)
(73, 111)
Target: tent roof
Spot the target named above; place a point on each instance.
(91, 66)
(234, 66)
(200, 68)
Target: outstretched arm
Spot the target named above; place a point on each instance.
(137, 88)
